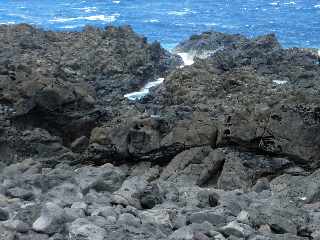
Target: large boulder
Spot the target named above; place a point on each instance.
(104, 178)
(305, 189)
(242, 170)
(152, 139)
(195, 166)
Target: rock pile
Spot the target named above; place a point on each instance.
(227, 148)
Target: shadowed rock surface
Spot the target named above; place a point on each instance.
(225, 149)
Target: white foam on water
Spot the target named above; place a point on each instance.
(104, 18)
(5, 23)
(23, 16)
(70, 26)
(183, 12)
(290, 3)
(116, 2)
(317, 6)
(144, 91)
(187, 58)
(152, 21)
(87, 9)
(211, 24)
(280, 82)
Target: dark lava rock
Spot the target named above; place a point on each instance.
(227, 148)
(263, 97)
(62, 81)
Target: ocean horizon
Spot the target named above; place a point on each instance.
(296, 23)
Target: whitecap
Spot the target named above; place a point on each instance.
(87, 9)
(144, 91)
(274, 3)
(70, 26)
(290, 3)
(317, 6)
(116, 2)
(19, 15)
(5, 23)
(280, 82)
(303, 198)
(176, 13)
(187, 58)
(211, 24)
(61, 20)
(184, 11)
(152, 21)
(104, 18)
(101, 18)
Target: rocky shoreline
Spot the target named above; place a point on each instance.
(226, 148)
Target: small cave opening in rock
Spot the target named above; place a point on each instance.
(55, 123)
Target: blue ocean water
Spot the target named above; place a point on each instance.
(296, 22)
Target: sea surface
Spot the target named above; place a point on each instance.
(296, 23)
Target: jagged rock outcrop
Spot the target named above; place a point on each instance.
(66, 82)
(263, 97)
